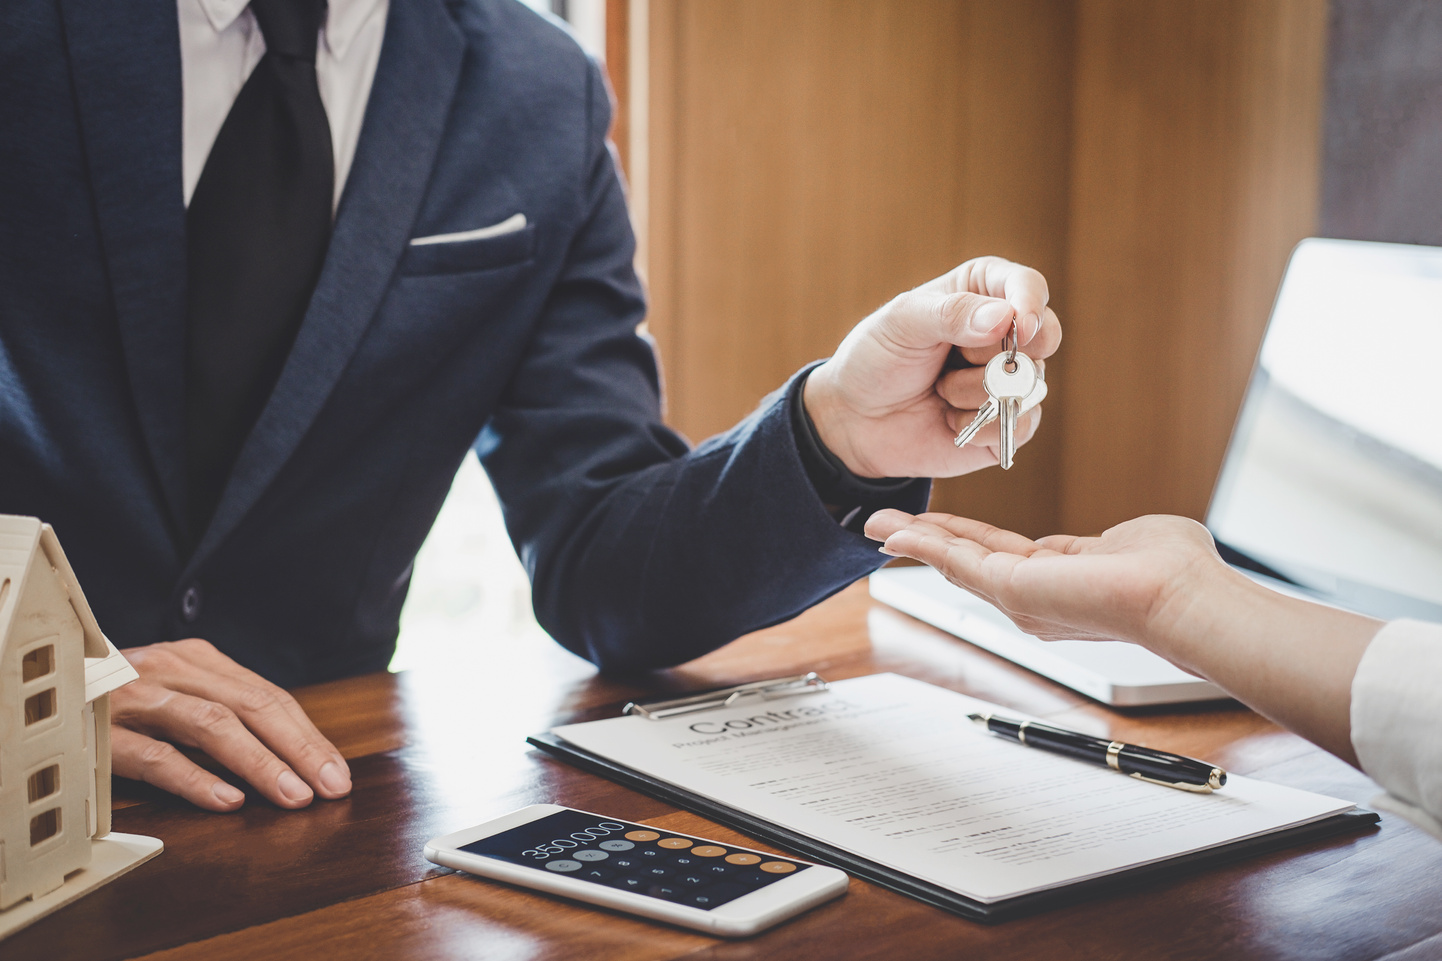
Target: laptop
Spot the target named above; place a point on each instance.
(1331, 488)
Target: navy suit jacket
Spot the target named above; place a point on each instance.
(641, 552)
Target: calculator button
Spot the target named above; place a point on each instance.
(597, 874)
(615, 845)
(563, 866)
(778, 867)
(630, 884)
(716, 869)
(667, 891)
(684, 861)
(590, 855)
(674, 843)
(742, 859)
(642, 836)
(657, 872)
(624, 864)
(708, 851)
(650, 853)
(692, 880)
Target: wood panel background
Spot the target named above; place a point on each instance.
(1195, 171)
(805, 160)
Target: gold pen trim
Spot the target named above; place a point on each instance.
(1021, 732)
(1113, 749)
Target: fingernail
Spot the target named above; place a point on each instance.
(227, 794)
(991, 316)
(883, 549)
(334, 778)
(1030, 325)
(292, 787)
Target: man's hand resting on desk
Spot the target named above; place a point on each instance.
(189, 693)
(886, 403)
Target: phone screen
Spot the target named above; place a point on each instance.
(634, 857)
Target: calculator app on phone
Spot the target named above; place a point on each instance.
(636, 858)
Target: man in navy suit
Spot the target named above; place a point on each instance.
(257, 299)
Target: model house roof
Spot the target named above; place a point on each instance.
(20, 538)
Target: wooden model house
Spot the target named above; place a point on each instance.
(56, 674)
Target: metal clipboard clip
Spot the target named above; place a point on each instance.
(808, 683)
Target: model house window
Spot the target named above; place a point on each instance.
(40, 706)
(44, 782)
(44, 825)
(37, 663)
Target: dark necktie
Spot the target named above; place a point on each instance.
(256, 235)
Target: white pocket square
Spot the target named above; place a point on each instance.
(510, 225)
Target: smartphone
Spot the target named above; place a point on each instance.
(694, 882)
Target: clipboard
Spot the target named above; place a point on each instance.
(818, 850)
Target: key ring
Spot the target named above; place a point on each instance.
(1010, 351)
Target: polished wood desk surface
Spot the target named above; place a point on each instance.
(432, 752)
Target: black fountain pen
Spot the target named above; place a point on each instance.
(1143, 763)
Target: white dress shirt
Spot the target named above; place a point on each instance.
(220, 44)
(1397, 720)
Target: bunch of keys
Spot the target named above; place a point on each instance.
(1013, 387)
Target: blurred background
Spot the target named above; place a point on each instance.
(793, 164)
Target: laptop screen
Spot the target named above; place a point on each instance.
(1333, 478)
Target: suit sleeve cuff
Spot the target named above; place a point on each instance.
(849, 498)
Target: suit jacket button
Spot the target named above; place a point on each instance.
(190, 604)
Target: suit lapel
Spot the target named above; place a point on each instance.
(405, 117)
(125, 62)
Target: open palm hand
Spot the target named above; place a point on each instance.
(1130, 583)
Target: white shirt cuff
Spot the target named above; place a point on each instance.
(1397, 720)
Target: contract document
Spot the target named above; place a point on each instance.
(891, 770)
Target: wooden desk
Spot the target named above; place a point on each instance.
(433, 752)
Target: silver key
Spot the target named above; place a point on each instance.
(985, 416)
(1009, 378)
(988, 411)
(1009, 382)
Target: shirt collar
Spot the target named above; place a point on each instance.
(222, 13)
(344, 19)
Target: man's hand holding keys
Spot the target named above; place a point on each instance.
(888, 404)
